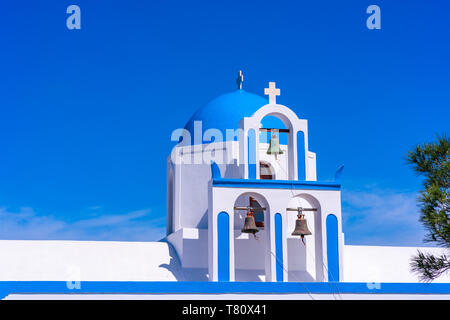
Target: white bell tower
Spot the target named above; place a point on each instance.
(208, 202)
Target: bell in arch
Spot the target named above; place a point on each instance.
(250, 225)
(274, 146)
(301, 227)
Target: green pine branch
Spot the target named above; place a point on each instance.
(428, 266)
(431, 160)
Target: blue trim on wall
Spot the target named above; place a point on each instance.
(301, 165)
(279, 246)
(332, 248)
(251, 145)
(275, 184)
(215, 171)
(206, 287)
(223, 244)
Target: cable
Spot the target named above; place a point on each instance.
(287, 271)
(323, 264)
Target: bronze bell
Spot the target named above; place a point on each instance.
(301, 227)
(250, 225)
(274, 146)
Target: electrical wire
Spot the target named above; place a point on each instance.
(287, 271)
(323, 264)
(326, 269)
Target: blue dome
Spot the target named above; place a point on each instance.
(225, 111)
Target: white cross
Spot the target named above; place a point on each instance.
(272, 92)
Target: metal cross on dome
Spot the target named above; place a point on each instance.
(272, 92)
(240, 79)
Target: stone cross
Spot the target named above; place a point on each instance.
(272, 92)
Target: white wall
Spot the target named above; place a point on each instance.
(29, 260)
(191, 245)
(92, 260)
(383, 264)
(192, 173)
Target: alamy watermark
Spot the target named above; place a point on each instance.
(210, 146)
(374, 20)
(74, 20)
(73, 277)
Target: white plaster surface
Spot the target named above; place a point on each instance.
(383, 264)
(26, 260)
(86, 261)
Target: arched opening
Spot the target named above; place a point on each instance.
(266, 172)
(250, 252)
(273, 148)
(305, 260)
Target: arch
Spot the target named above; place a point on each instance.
(305, 262)
(266, 171)
(286, 115)
(290, 121)
(250, 254)
(243, 200)
(332, 248)
(272, 121)
(277, 164)
(279, 246)
(223, 245)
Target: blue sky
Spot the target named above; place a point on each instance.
(86, 115)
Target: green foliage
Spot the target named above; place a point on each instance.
(432, 161)
(428, 266)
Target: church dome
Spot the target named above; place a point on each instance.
(225, 111)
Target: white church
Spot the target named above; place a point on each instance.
(246, 218)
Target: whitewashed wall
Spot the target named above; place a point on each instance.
(89, 260)
(383, 264)
(28, 260)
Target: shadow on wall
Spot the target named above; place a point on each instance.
(183, 274)
(174, 266)
(203, 223)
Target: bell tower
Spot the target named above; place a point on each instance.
(260, 214)
(292, 161)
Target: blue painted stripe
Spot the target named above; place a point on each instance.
(332, 248)
(301, 163)
(251, 154)
(215, 171)
(194, 287)
(223, 235)
(279, 247)
(275, 184)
